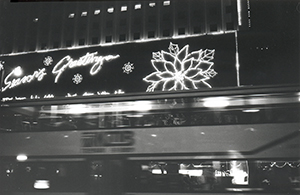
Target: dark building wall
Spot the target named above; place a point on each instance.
(33, 26)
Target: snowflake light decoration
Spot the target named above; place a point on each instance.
(77, 78)
(48, 61)
(180, 70)
(128, 68)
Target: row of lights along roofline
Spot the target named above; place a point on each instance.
(111, 10)
(143, 40)
(123, 8)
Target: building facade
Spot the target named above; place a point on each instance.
(149, 97)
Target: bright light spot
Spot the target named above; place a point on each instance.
(72, 15)
(218, 32)
(84, 14)
(216, 102)
(238, 171)
(66, 136)
(41, 184)
(123, 8)
(110, 10)
(138, 6)
(251, 110)
(142, 105)
(96, 12)
(158, 171)
(151, 4)
(134, 115)
(239, 10)
(193, 172)
(18, 71)
(77, 109)
(166, 3)
(153, 135)
(22, 157)
(145, 167)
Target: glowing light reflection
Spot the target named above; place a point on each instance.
(18, 71)
(41, 184)
(251, 110)
(22, 157)
(216, 102)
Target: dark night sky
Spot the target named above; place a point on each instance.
(269, 52)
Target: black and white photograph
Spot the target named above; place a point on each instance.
(149, 97)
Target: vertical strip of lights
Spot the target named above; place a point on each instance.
(239, 12)
(249, 14)
(237, 61)
(2, 78)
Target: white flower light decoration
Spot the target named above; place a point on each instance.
(180, 70)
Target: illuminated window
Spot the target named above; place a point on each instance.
(97, 12)
(122, 37)
(152, 4)
(110, 10)
(123, 8)
(108, 39)
(181, 31)
(151, 34)
(138, 6)
(136, 36)
(166, 3)
(83, 14)
(72, 15)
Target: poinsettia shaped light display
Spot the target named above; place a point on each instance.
(180, 70)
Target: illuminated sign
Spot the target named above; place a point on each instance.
(11, 82)
(188, 64)
(88, 59)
